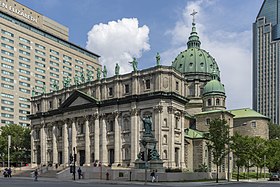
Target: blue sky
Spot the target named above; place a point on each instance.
(121, 29)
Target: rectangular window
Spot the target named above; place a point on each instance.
(24, 78)
(254, 124)
(54, 69)
(24, 105)
(24, 90)
(7, 109)
(7, 53)
(24, 84)
(24, 52)
(54, 63)
(40, 52)
(7, 60)
(24, 40)
(40, 70)
(7, 46)
(126, 88)
(24, 59)
(6, 79)
(110, 91)
(65, 57)
(79, 62)
(67, 68)
(54, 75)
(3, 38)
(24, 46)
(7, 95)
(7, 86)
(40, 76)
(6, 102)
(54, 58)
(40, 64)
(24, 99)
(24, 112)
(7, 115)
(40, 82)
(7, 33)
(67, 63)
(148, 84)
(7, 73)
(24, 65)
(40, 46)
(24, 71)
(40, 58)
(7, 66)
(67, 74)
(54, 52)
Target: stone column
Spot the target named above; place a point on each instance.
(171, 135)
(74, 135)
(104, 153)
(117, 146)
(182, 149)
(32, 147)
(96, 137)
(65, 144)
(43, 145)
(134, 134)
(157, 126)
(55, 153)
(87, 142)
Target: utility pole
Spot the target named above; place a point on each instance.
(9, 146)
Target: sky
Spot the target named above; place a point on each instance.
(119, 30)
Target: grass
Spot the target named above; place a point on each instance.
(252, 175)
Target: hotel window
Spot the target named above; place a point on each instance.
(40, 82)
(24, 65)
(24, 124)
(24, 99)
(24, 71)
(54, 52)
(6, 102)
(67, 68)
(7, 115)
(7, 109)
(40, 58)
(24, 90)
(6, 79)
(79, 62)
(54, 63)
(7, 53)
(78, 67)
(67, 74)
(65, 57)
(7, 60)
(40, 52)
(67, 63)
(24, 78)
(40, 46)
(24, 52)
(7, 33)
(24, 46)
(40, 64)
(7, 86)
(148, 84)
(7, 66)
(110, 91)
(7, 73)
(23, 118)
(24, 40)
(54, 75)
(7, 95)
(40, 70)
(7, 122)
(254, 124)
(54, 58)
(90, 67)
(7, 39)
(126, 88)
(24, 84)
(24, 59)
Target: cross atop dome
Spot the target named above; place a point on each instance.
(193, 15)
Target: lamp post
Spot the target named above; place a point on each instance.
(74, 165)
(146, 159)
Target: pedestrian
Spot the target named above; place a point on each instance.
(36, 175)
(79, 173)
(9, 172)
(153, 176)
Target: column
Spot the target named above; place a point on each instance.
(43, 145)
(171, 142)
(182, 149)
(74, 135)
(87, 142)
(134, 134)
(117, 147)
(104, 153)
(157, 126)
(65, 144)
(32, 147)
(96, 137)
(55, 153)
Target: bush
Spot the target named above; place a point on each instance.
(173, 170)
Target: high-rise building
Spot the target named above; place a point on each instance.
(35, 56)
(266, 59)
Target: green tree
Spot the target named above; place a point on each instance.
(218, 137)
(273, 155)
(274, 131)
(20, 143)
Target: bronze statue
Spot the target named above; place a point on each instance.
(147, 124)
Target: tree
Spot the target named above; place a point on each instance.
(273, 155)
(218, 137)
(274, 131)
(20, 143)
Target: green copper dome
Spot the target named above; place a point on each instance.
(214, 87)
(195, 60)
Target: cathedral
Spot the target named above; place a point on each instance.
(100, 120)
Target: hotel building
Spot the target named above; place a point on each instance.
(35, 53)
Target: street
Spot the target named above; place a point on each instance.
(19, 182)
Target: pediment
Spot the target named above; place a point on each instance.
(78, 98)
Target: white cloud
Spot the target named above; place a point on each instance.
(232, 51)
(118, 42)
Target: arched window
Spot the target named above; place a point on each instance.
(218, 102)
(209, 102)
(165, 139)
(164, 154)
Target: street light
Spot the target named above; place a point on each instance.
(9, 146)
(146, 159)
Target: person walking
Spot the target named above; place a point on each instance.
(153, 176)
(36, 175)
(79, 173)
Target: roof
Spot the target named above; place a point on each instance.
(193, 134)
(213, 111)
(246, 113)
(214, 87)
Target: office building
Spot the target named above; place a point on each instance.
(266, 59)
(35, 55)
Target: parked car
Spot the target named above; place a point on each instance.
(274, 177)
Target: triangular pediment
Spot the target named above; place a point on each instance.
(78, 98)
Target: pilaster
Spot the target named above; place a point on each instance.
(171, 143)
(117, 145)
(87, 141)
(96, 137)
(65, 143)
(55, 153)
(43, 144)
(104, 151)
(134, 136)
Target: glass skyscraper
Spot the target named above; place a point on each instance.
(266, 54)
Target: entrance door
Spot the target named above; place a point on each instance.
(111, 156)
(82, 157)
